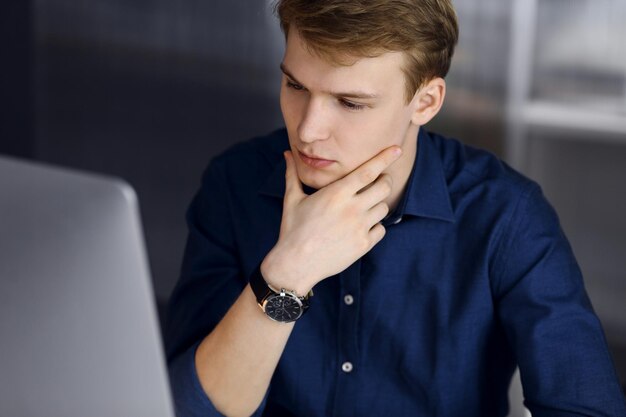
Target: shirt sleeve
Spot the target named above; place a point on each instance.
(565, 365)
(210, 282)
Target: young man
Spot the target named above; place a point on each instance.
(436, 269)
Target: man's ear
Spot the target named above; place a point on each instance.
(427, 101)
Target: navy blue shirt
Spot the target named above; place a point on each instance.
(473, 277)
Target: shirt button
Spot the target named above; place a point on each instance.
(348, 299)
(347, 367)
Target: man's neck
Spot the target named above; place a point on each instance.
(401, 170)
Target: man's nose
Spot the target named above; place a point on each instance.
(315, 124)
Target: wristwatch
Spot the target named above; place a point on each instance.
(283, 306)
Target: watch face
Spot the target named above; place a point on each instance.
(283, 308)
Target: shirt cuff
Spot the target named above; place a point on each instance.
(190, 400)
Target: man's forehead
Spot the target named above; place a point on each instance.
(372, 75)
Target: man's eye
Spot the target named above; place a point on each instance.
(350, 105)
(295, 86)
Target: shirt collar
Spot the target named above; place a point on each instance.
(275, 184)
(426, 193)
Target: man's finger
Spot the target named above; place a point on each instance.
(293, 186)
(370, 170)
(377, 213)
(376, 234)
(377, 191)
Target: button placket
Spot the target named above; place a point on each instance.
(348, 353)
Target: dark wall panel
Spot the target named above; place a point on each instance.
(16, 99)
(151, 90)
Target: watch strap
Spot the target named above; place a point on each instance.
(259, 287)
(262, 290)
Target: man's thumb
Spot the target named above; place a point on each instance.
(293, 186)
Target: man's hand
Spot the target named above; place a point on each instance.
(324, 233)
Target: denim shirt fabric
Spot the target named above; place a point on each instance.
(473, 277)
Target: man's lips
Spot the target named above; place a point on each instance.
(314, 161)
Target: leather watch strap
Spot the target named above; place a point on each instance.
(259, 286)
(261, 290)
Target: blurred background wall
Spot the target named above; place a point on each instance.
(150, 90)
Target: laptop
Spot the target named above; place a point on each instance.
(79, 332)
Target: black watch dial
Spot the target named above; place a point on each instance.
(283, 308)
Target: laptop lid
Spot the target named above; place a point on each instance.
(79, 332)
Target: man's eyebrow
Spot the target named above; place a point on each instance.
(287, 73)
(346, 94)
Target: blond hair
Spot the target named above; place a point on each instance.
(426, 31)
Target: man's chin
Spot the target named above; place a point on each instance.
(317, 181)
(315, 184)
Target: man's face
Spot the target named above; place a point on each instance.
(338, 117)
